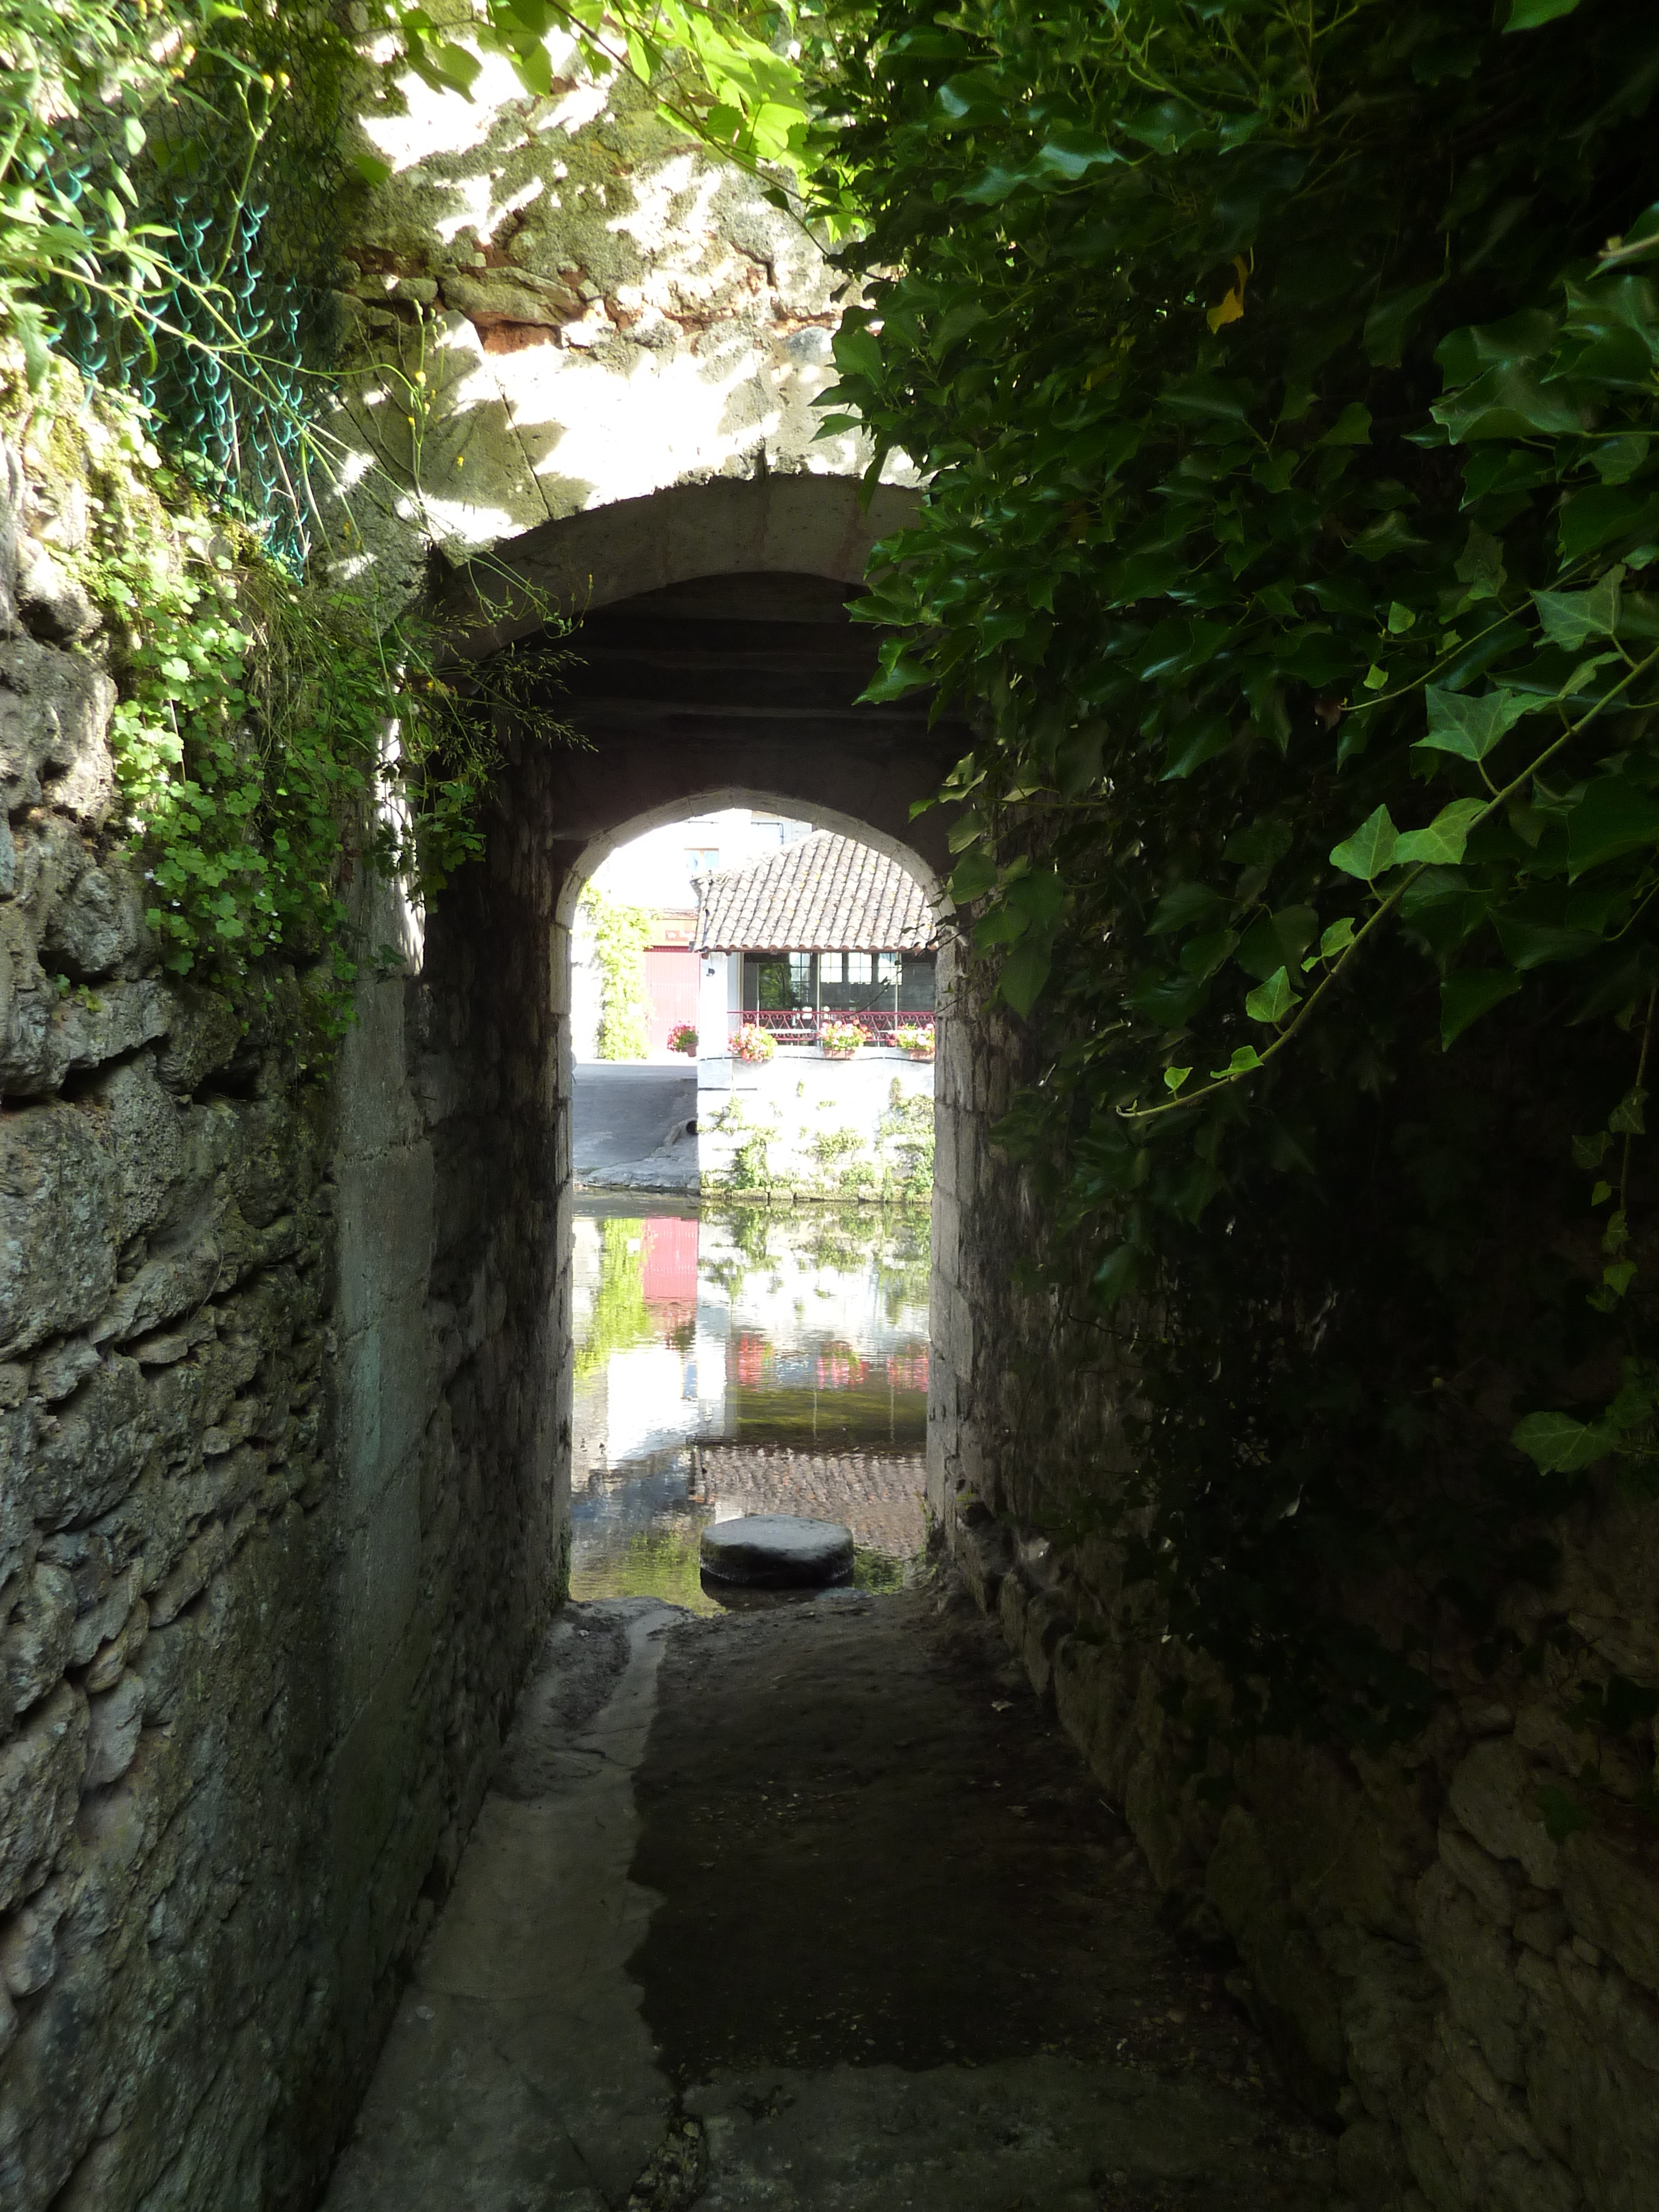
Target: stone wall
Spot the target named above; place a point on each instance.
(280, 1489)
(809, 1126)
(1474, 2003)
(560, 303)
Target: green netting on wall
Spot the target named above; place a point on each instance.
(242, 164)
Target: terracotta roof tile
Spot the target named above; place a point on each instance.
(821, 894)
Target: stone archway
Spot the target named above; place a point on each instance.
(717, 657)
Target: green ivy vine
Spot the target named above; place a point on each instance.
(1287, 376)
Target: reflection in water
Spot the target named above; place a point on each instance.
(743, 1361)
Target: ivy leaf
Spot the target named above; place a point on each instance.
(1481, 565)
(1272, 1000)
(1183, 907)
(1389, 320)
(1118, 1273)
(1471, 727)
(1201, 956)
(1175, 1077)
(1370, 851)
(1352, 427)
(1527, 15)
(1025, 972)
(1241, 1063)
(1570, 617)
(1441, 845)
(1337, 938)
(972, 876)
(1468, 995)
(1558, 1444)
(1611, 817)
(1194, 742)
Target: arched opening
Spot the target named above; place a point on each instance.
(716, 661)
(751, 1225)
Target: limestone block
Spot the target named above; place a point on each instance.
(115, 1720)
(100, 1624)
(19, 1427)
(160, 1291)
(1610, 1888)
(54, 713)
(1472, 1957)
(147, 1140)
(56, 1373)
(492, 298)
(1047, 1619)
(52, 605)
(205, 1032)
(1389, 1998)
(91, 1451)
(37, 1639)
(29, 1944)
(58, 1195)
(1481, 1875)
(1094, 1707)
(121, 1650)
(100, 928)
(1492, 1794)
(1298, 1997)
(40, 1785)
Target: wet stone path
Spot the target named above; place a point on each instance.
(809, 1907)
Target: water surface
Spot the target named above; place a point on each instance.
(743, 1359)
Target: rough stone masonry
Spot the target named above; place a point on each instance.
(250, 1685)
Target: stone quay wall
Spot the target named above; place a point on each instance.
(1474, 2004)
(280, 1491)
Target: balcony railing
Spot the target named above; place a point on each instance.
(803, 1025)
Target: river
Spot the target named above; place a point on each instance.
(744, 1359)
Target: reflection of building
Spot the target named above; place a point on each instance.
(826, 927)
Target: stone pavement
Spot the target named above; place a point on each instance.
(795, 1908)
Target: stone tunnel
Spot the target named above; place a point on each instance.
(284, 1364)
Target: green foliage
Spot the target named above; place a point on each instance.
(620, 1318)
(63, 66)
(1293, 505)
(721, 73)
(268, 738)
(620, 935)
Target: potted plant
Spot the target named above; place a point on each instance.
(840, 1040)
(916, 1040)
(683, 1038)
(752, 1043)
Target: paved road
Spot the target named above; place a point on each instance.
(811, 1910)
(625, 1110)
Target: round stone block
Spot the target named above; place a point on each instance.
(775, 1551)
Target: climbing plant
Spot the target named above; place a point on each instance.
(620, 935)
(1286, 373)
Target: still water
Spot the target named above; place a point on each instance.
(742, 1360)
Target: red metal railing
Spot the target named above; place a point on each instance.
(803, 1025)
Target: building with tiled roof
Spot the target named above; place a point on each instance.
(822, 930)
(822, 894)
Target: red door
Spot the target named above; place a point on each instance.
(671, 984)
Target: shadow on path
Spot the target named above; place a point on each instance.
(810, 1908)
